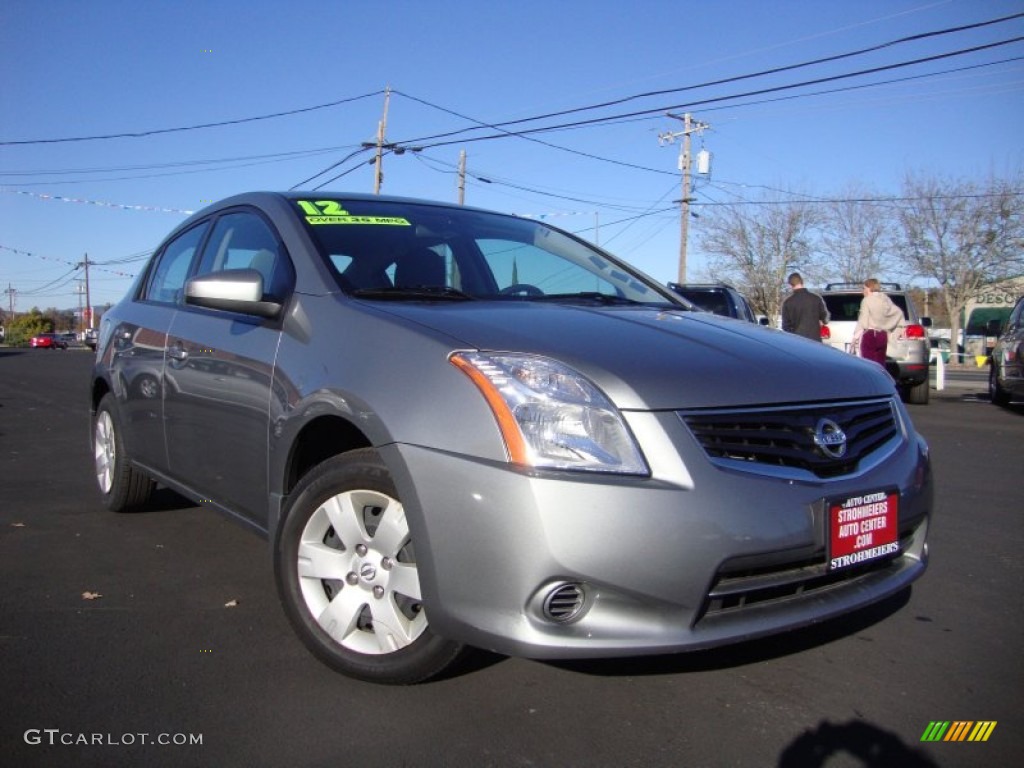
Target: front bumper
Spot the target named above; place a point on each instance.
(696, 555)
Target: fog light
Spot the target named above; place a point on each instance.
(564, 602)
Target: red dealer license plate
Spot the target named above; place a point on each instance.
(862, 528)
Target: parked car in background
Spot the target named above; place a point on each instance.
(89, 338)
(1006, 363)
(907, 358)
(461, 428)
(48, 341)
(719, 298)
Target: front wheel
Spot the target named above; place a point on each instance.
(347, 574)
(998, 395)
(122, 486)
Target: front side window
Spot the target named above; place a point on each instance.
(167, 280)
(387, 249)
(243, 240)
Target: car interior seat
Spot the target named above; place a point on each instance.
(420, 267)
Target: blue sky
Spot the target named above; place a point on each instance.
(83, 69)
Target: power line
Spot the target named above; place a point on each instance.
(345, 159)
(179, 164)
(862, 86)
(736, 78)
(747, 94)
(343, 173)
(514, 134)
(497, 181)
(831, 200)
(200, 126)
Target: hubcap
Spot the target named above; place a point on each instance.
(358, 575)
(104, 451)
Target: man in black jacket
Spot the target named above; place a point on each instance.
(803, 312)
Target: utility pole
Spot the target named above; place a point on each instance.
(382, 126)
(381, 144)
(690, 126)
(11, 292)
(88, 302)
(462, 177)
(80, 290)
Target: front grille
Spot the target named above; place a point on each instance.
(743, 588)
(780, 439)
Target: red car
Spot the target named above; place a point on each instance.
(49, 341)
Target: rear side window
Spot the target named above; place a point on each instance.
(843, 307)
(243, 240)
(710, 301)
(846, 306)
(1016, 317)
(167, 280)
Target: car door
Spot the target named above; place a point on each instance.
(138, 343)
(220, 371)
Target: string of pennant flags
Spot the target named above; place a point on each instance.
(65, 262)
(99, 203)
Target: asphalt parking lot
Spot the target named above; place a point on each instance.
(156, 638)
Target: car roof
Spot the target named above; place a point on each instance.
(837, 287)
(702, 287)
(271, 199)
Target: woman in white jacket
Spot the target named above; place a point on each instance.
(877, 319)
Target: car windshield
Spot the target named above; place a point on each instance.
(383, 249)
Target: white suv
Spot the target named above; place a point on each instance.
(906, 358)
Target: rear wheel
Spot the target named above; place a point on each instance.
(348, 578)
(123, 488)
(918, 394)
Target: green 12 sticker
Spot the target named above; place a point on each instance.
(331, 212)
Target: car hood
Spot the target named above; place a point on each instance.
(649, 358)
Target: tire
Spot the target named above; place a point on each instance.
(122, 487)
(347, 576)
(998, 395)
(918, 394)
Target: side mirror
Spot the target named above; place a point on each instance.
(233, 290)
(926, 322)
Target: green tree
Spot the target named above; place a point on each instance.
(23, 327)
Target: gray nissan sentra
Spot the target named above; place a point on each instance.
(465, 429)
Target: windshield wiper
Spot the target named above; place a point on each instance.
(419, 292)
(601, 298)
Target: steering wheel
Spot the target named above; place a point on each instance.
(521, 289)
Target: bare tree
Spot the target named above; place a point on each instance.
(855, 235)
(961, 235)
(756, 247)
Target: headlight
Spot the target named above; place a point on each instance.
(551, 416)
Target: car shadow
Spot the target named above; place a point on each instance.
(744, 653)
(166, 500)
(1014, 406)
